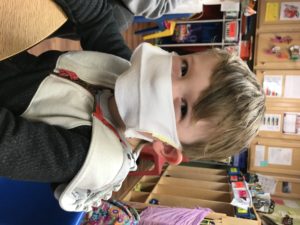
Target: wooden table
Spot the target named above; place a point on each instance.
(24, 23)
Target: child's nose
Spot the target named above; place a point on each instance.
(174, 89)
(177, 87)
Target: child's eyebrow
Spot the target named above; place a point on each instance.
(191, 61)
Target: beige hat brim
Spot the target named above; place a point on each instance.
(24, 23)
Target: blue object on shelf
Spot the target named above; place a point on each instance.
(142, 19)
(160, 22)
(240, 160)
(234, 171)
(30, 203)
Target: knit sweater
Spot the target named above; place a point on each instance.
(34, 150)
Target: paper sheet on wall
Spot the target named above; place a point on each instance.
(291, 204)
(290, 11)
(272, 85)
(280, 156)
(267, 183)
(241, 203)
(271, 122)
(292, 84)
(259, 155)
(272, 11)
(230, 6)
(290, 123)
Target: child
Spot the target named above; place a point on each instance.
(61, 126)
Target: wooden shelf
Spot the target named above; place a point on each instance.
(189, 187)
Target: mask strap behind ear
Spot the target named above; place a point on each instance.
(137, 150)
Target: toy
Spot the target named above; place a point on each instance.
(291, 11)
(242, 194)
(287, 220)
(231, 31)
(295, 52)
(276, 50)
(165, 25)
(245, 213)
(234, 171)
(207, 222)
(239, 185)
(242, 213)
(279, 39)
(154, 201)
(138, 187)
(248, 7)
(170, 27)
(263, 205)
(235, 178)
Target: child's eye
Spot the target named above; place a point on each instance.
(183, 109)
(184, 68)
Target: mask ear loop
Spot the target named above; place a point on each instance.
(137, 150)
(136, 153)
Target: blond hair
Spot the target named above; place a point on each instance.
(234, 103)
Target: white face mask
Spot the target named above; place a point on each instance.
(144, 96)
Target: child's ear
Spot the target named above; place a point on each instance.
(170, 154)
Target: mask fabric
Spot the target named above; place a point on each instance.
(144, 96)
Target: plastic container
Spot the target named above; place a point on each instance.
(30, 203)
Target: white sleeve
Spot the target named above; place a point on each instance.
(156, 8)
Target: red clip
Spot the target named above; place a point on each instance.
(99, 115)
(67, 73)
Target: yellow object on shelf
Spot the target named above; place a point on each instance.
(167, 32)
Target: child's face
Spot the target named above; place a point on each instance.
(190, 76)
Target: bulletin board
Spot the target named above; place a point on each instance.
(277, 124)
(277, 14)
(282, 117)
(278, 49)
(274, 155)
(281, 88)
(276, 148)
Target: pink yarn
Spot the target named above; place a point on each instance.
(173, 216)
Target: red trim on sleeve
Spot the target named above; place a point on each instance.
(99, 115)
(68, 73)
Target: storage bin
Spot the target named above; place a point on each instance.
(31, 203)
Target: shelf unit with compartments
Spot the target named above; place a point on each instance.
(213, 28)
(224, 33)
(189, 187)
